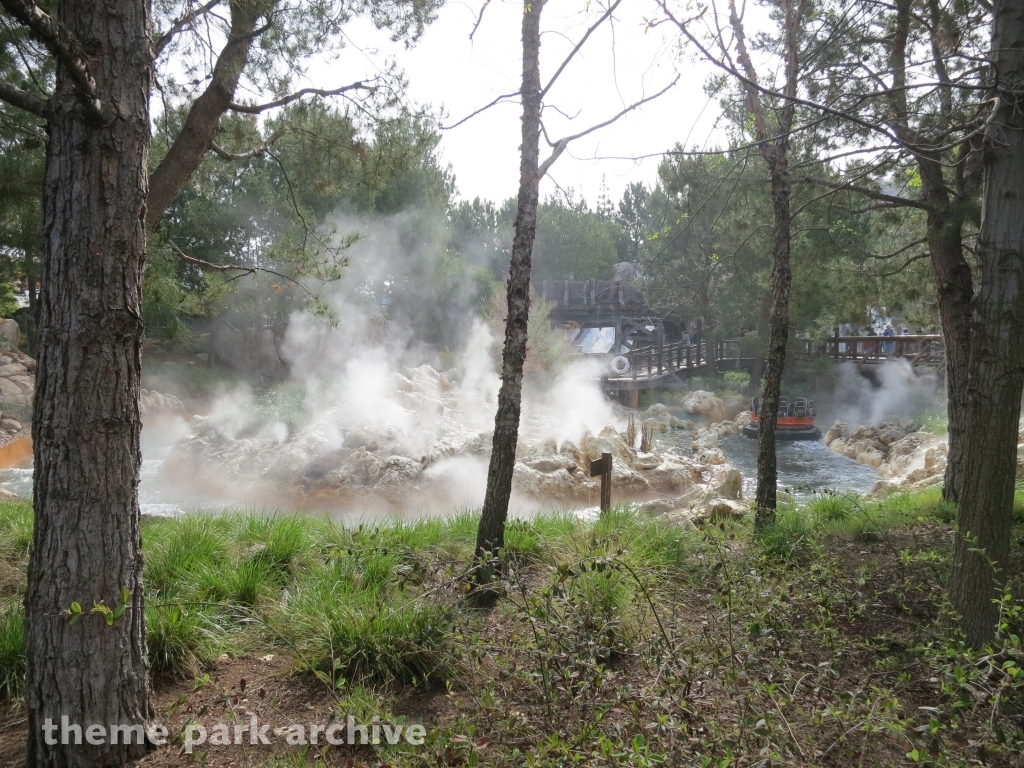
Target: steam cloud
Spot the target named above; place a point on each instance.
(367, 380)
(896, 390)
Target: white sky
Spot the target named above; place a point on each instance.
(447, 69)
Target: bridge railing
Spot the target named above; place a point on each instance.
(647, 362)
(917, 349)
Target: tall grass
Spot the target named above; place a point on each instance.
(12, 650)
(381, 603)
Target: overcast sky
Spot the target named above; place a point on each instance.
(619, 65)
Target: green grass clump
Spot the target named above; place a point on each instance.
(831, 508)
(183, 639)
(12, 650)
(352, 620)
(935, 422)
(277, 540)
(788, 538)
(15, 530)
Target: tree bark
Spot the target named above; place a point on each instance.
(86, 425)
(491, 533)
(954, 286)
(778, 334)
(944, 232)
(776, 156)
(196, 137)
(996, 373)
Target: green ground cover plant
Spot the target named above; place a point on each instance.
(623, 641)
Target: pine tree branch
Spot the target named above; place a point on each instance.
(29, 102)
(914, 148)
(902, 202)
(165, 39)
(63, 45)
(255, 109)
(242, 269)
(254, 152)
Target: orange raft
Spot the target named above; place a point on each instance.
(795, 421)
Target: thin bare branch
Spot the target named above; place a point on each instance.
(255, 109)
(16, 97)
(560, 145)
(898, 251)
(479, 18)
(576, 49)
(482, 109)
(63, 45)
(916, 149)
(164, 40)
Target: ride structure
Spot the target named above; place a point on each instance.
(795, 420)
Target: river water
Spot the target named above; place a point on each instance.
(158, 495)
(804, 467)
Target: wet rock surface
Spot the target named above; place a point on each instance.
(387, 459)
(903, 453)
(17, 370)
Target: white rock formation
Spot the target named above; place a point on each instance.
(705, 405)
(17, 370)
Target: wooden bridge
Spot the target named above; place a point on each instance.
(669, 366)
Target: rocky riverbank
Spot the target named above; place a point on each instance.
(428, 448)
(905, 455)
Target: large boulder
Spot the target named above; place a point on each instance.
(731, 486)
(17, 372)
(397, 472)
(891, 432)
(670, 477)
(10, 335)
(715, 510)
(551, 463)
(836, 432)
(705, 405)
(559, 485)
(906, 445)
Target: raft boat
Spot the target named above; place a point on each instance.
(795, 421)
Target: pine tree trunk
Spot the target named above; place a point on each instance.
(86, 424)
(778, 335)
(952, 273)
(996, 373)
(954, 289)
(491, 533)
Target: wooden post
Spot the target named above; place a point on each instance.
(634, 399)
(603, 467)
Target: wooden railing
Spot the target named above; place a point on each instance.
(916, 349)
(648, 362)
(656, 360)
